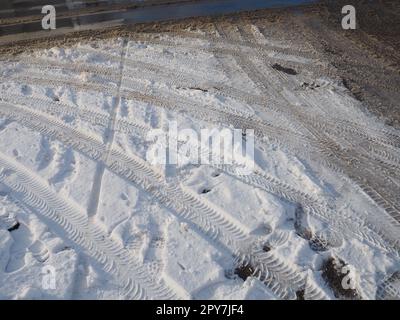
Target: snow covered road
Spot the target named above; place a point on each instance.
(79, 198)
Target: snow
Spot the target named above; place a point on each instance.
(70, 172)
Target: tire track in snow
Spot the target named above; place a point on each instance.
(215, 225)
(386, 134)
(82, 113)
(202, 37)
(334, 154)
(175, 103)
(227, 45)
(206, 115)
(168, 76)
(342, 159)
(387, 156)
(233, 93)
(294, 145)
(36, 195)
(203, 225)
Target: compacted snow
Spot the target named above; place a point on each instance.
(82, 204)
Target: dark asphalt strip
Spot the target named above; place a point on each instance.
(154, 13)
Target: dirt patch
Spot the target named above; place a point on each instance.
(289, 71)
(244, 271)
(205, 190)
(318, 244)
(266, 248)
(332, 273)
(14, 227)
(310, 86)
(300, 294)
(193, 88)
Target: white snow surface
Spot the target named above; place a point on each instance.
(74, 176)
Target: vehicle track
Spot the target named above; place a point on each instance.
(242, 37)
(293, 145)
(173, 102)
(350, 154)
(258, 100)
(51, 107)
(242, 121)
(219, 228)
(274, 56)
(36, 195)
(372, 76)
(233, 44)
(265, 182)
(177, 81)
(330, 149)
(251, 99)
(265, 185)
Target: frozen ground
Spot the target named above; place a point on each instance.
(77, 196)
